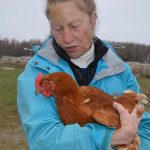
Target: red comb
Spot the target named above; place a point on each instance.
(37, 80)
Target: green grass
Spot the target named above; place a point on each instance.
(8, 94)
(145, 85)
(11, 134)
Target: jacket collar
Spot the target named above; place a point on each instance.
(86, 77)
(48, 52)
(114, 64)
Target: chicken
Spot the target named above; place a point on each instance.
(86, 104)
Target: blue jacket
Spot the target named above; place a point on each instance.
(39, 117)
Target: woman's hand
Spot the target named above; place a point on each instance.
(129, 126)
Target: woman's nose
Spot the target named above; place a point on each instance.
(67, 36)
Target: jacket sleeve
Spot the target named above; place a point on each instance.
(43, 128)
(131, 80)
(144, 131)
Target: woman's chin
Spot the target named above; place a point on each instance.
(74, 52)
(74, 55)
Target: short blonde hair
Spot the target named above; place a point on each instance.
(87, 6)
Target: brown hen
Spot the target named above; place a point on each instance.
(87, 104)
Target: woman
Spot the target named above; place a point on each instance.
(74, 49)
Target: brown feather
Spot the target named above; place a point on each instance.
(88, 104)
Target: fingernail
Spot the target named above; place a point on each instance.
(114, 104)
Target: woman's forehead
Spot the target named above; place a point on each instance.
(65, 12)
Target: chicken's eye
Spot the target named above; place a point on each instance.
(44, 83)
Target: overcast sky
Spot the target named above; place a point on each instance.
(118, 20)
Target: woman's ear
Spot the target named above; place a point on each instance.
(93, 19)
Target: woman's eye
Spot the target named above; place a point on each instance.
(76, 25)
(57, 28)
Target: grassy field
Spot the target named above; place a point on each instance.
(11, 134)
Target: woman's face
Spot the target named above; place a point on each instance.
(72, 28)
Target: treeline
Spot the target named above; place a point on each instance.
(131, 52)
(15, 48)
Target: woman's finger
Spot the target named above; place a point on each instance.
(121, 110)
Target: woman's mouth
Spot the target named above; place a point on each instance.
(71, 49)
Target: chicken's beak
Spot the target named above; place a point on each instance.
(38, 91)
